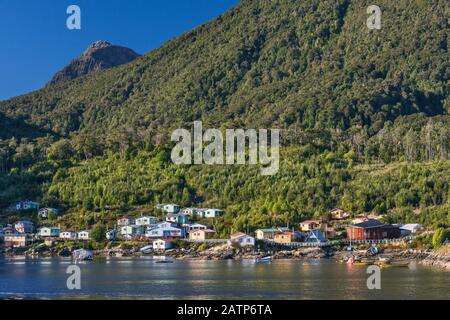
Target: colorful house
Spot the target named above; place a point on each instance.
(146, 221)
(169, 208)
(213, 213)
(26, 205)
(84, 235)
(125, 221)
(315, 236)
(49, 232)
(45, 212)
(201, 235)
(68, 235)
(24, 226)
(283, 237)
(339, 214)
(167, 232)
(372, 230)
(410, 228)
(192, 212)
(242, 239)
(111, 234)
(197, 226)
(162, 245)
(177, 218)
(309, 225)
(17, 240)
(132, 231)
(265, 234)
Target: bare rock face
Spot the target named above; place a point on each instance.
(99, 56)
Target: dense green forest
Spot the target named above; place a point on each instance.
(363, 113)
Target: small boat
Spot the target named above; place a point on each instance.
(264, 259)
(395, 265)
(146, 250)
(164, 261)
(363, 263)
(82, 255)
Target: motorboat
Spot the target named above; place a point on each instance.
(82, 255)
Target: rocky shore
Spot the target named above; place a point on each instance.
(439, 259)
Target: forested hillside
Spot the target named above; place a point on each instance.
(363, 113)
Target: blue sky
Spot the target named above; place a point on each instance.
(36, 42)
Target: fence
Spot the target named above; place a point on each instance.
(207, 241)
(339, 243)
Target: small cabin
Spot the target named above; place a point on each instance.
(49, 232)
(162, 245)
(84, 235)
(309, 225)
(201, 235)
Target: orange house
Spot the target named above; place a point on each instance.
(283, 237)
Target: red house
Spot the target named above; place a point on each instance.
(372, 230)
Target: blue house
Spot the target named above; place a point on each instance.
(315, 236)
(177, 218)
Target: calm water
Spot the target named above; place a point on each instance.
(142, 278)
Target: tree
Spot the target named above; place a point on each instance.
(98, 233)
(439, 237)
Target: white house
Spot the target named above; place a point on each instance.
(161, 245)
(169, 208)
(197, 226)
(213, 213)
(44, 212)
(49, 232)
(242, 239)
(189, 211)
(146, 221)
(410, 228)
(84, 235)
(125, 221)
(132, 230)
(165, 224)
(68, 235)
(111, 234)
(24, 226)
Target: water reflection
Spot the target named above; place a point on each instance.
(142, 278)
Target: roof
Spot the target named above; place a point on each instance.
(310, 221)
(369, 224)
(175, 215)
(269, 230)
(316, 234)
(24, 222)
(286, 233)
(204, 230)
(237, 235)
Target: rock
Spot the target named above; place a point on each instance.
(66, 252)
(98, 56)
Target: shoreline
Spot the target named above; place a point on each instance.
(438, 259)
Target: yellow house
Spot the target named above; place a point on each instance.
(339, 214)
(201, 235)
(309, 225)
(283, 237)
(268, 234)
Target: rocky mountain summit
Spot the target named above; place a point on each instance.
(98, 56)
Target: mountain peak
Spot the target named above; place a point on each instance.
(100, 44)
(98, 56)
